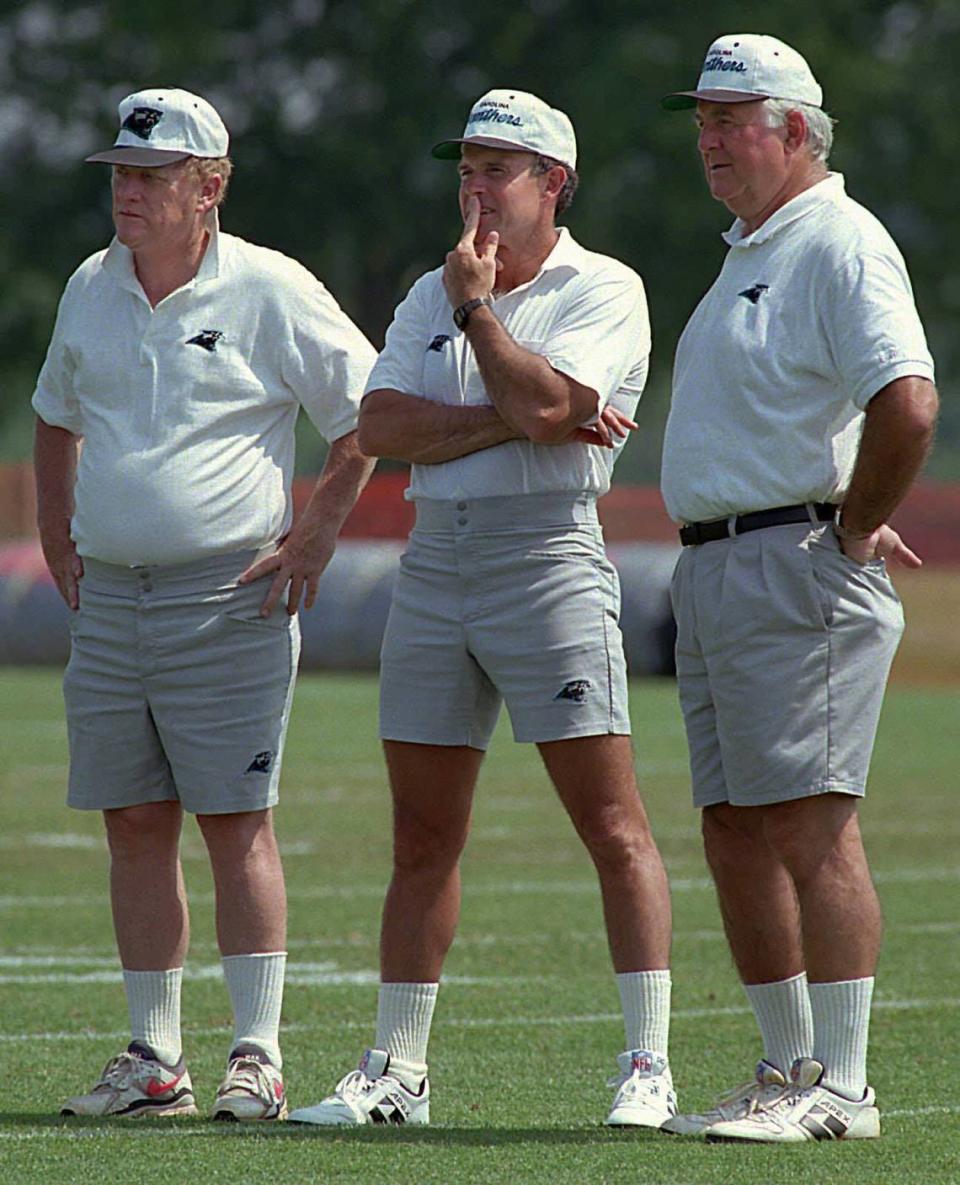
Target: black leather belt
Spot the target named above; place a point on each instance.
(721, 528)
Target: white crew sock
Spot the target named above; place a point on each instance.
(404, 1015)
(153, 1001)
(255, 983)
(645, 998)
(782, 1010)
(841, 1025)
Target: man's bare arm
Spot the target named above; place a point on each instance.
(897, 434)
(55, 467)
(409, 428)
(301, 558)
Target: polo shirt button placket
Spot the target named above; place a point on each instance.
(462, 520)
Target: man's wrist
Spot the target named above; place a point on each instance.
(461, 314)
(843, 532)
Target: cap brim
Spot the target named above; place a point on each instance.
(138, 158)
(684, 100)
(450, 149)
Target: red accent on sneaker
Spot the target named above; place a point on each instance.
(154, 1087)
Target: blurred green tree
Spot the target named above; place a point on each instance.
(333, 105)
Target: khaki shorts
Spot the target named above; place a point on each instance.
(783, 650)
(508, 598)
(176, 688)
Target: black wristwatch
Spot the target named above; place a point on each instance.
(461, 315)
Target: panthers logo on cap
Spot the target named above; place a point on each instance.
(141, 121)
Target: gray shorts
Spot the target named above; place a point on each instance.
(508, 598)
(176, 688)
(783, 650)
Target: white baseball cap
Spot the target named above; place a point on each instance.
(160, 126)
(744, 66)
(518, 121)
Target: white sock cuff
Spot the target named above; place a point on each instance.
(255, 984)
(782, 1010)
(404, 1017)
(645, 999)
(153, 1002)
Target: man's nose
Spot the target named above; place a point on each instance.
(707, 138)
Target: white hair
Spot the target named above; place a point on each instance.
(819, 125)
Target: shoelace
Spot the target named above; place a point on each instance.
(118, 1071)
(633, 1084)
(355, 1084)
(246, 1074)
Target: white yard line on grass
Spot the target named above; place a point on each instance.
(491, 1022)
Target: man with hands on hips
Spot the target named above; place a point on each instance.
(509, 379)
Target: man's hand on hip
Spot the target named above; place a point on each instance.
(299, 562)
(882, 544)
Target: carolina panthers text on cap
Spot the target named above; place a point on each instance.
(740, 67)
(517, 121)
(163, 125)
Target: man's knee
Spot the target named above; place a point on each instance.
(148, 829)
(809, 834)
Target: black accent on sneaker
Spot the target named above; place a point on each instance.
(163, 1103)
(825, 1129)
(141, 1049)
(251, 1052)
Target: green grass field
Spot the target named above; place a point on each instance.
(527, 1024)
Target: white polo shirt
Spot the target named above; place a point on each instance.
(584, 312)
(810, 317)
(187, 410)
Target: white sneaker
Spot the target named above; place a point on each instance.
(805, 1110)
(251, 1089)
(137, 1083)
(370, 1094)
(645, 1096)
(767, 1084)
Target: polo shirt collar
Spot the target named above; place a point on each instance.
(566, 253)
(830, 189)
(118, 260)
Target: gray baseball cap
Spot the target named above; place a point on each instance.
(517, 121)
(163, 125)
(740, 67)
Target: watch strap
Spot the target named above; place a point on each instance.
(461, 314)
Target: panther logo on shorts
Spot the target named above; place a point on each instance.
(438, 343)
(576, 690)
(261, 763)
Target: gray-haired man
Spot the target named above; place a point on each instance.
(181, 357)
(803, 407)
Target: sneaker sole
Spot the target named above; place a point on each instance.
(138, 1112)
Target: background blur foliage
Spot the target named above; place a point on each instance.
(333, 105)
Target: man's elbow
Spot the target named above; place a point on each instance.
(912, 403)
(370, 439)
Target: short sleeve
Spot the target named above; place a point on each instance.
(326, 359)
(54, 399)
(872, 326)
(602, 336)
(400, 364)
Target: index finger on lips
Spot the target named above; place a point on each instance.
(471, 221)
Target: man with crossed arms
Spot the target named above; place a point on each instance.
(505, 590)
